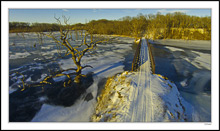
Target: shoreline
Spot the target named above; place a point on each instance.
(197, 45)
(115, 35)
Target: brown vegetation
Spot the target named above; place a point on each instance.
(170, 26)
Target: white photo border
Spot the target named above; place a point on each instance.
(5, 6)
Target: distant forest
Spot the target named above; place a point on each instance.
(170, 26)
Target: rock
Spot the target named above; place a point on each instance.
(88, 97)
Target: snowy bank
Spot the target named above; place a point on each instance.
(125, 100)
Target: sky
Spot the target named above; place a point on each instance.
(86, 15)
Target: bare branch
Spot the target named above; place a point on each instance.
(77, 54)
(58, 20)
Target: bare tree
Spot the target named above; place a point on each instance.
(76, 51)
(40, 37)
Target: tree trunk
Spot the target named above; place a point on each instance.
(81, 34)
(77, 79)
(85, 39)
(91, 37)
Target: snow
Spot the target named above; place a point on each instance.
(76, 113)
(19, 55)
(18, 82)
(130, 96)
(142, 97)
(191, 63)
(129, 100)
(11, 90)
(79, 112)
(42, 99)
(184, 83)
(105, 63)
(189, 44)
(174, 49)
(48, 47)
(201, 60)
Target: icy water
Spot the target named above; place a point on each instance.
(36, 60)
(189, 67)
(188, 64)
(30, 61)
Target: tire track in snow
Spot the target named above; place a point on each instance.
(135, 103)
(141, 96)
(144, 95)
(146, 83)
(141, 106)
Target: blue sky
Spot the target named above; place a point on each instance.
(85, 15)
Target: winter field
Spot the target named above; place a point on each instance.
(187, 99)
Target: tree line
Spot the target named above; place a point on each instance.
(156, 26)
(15, 27)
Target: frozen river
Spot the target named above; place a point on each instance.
(36, 61)
(188, 64)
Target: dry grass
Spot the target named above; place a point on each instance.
(106, 107)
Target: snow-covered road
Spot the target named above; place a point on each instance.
(141, 102)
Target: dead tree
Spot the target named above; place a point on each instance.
(40, 37)
(76, 52)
